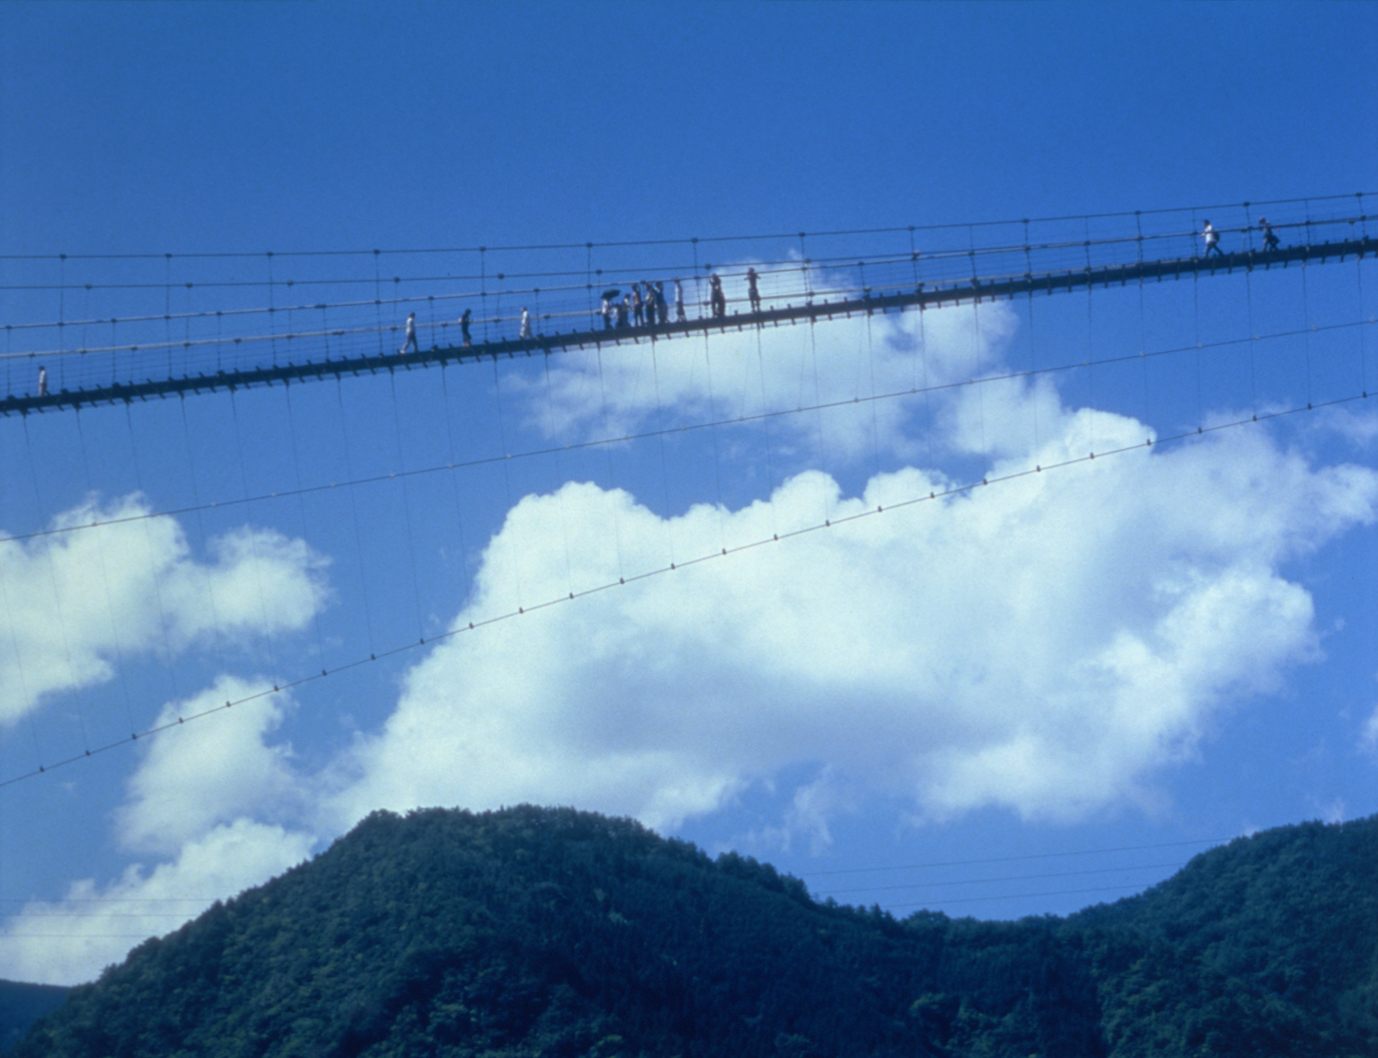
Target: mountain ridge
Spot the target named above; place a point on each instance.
(536, 931)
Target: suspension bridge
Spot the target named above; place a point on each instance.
(222, 331)
(800, 289)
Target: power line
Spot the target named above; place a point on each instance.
(712, 556)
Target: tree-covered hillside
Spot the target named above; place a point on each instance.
(23, 1004)
(554, 932)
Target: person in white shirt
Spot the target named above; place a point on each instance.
(1212, 238)
(525, 331)
(410, 340)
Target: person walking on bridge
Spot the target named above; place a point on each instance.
(651, 306)
(716, 300)
(525, 331)
(1270, 239)
(464, 322)
(1212, 240)
(409, 342)
(679, 301)
(753, 293)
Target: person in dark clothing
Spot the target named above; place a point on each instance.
(1270, 239)
(662, 309)
(752, 292)
(464, 322)
(638, 308)
(716, 299)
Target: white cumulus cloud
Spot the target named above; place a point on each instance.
(75, 602)
(615, 391)
(189, 782)
(1043, 645)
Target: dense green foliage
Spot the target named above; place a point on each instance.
(21, 1005)
(558, 933)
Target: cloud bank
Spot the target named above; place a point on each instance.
(1041, 646)
(74, 603)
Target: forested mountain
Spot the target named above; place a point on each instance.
(554, 932)
(21, 1005)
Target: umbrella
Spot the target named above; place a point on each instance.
(611, 293)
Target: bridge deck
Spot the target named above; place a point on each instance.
(923, 296)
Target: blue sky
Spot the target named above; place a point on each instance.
(1127, 660)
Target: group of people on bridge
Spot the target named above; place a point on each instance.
(1211, 238)
(644, 305)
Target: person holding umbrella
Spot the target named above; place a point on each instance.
(606, 309)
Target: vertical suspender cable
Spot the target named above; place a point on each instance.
(1306, 308)
(406, 507)
(378, 304)
(918, 287)
(661, 427)
(506, 472)
(813, 355)
(976, 336)
(148, 540)
(272, 309)
(712, 403)
(1196, 318)
(560, 474)
(301, 500)
(1143, 318)
(453, 474)
(765, 432)
(54, 585)
(354, 516)
(115, 633)
(61, 308)
(1249, 317)
(1359, 279)
(483, 288)
(588, 284)
(1090, 330)
(607, 449)
(1033, 341)
(871, 367)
